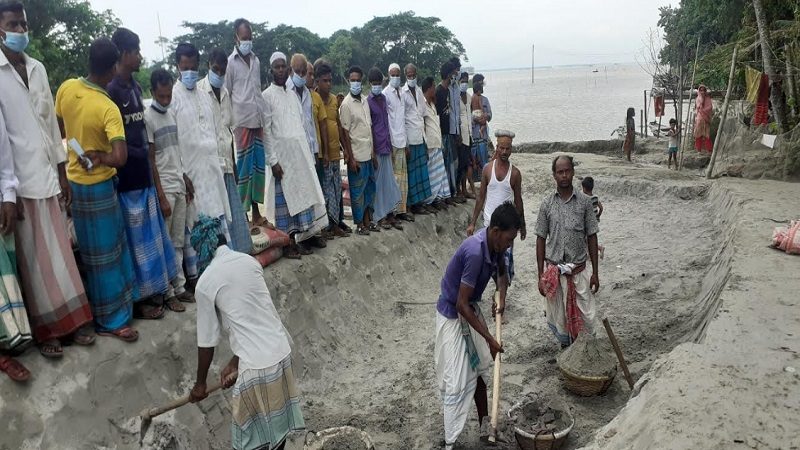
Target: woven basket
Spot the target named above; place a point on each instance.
(550, 441)
(587, 386)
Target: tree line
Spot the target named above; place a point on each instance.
(62, 30)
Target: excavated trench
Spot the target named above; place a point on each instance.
(361, 314)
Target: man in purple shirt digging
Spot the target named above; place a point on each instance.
(465, 349)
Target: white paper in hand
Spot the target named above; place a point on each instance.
(76, 147)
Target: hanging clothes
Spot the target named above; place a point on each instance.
(658, 104)
(761, 116)
(752, 79)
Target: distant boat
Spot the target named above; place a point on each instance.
(595, 71)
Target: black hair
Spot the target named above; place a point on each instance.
(218, 55)
(631, 113)
(125, 40)
(103, 56)
(239, 22)
(567, 157)
(588, 183)
(355, 69)
(506, 217)
(477, 88)
(322, 68)
(445, 70)
(463, 75)
(185, 49)
(160, 77)
(427, 83)
(455, 62)
(671, 121)
(478, 78)
(12, 6)
(375, 74)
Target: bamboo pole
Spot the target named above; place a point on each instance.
(646, 110)
(680, 93)
(715, 149)
(692, 111)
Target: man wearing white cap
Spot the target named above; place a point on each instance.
(294, 200)
(397, 134)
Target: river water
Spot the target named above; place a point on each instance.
(567, 103)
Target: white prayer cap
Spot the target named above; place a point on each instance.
(275, 56)
(504, 133)
(394, 66)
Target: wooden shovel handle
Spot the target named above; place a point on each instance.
(618, 351)
(498, 329)
(177, 403)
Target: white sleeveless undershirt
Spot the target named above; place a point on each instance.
(497, 193)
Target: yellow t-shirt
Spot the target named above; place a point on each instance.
(332, 110)
(94, 120)
(319, 114)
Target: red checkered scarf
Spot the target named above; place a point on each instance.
(551, 282)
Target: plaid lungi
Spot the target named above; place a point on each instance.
(14, 327)
(290, 224)
(238, 228)
(332, 190)
(387, 193)
(480, 156)
(450, 155)
(440, 188)
(54, 295)
(400, 168)
(362, 190)
(103, 247)
(177, 225)
(148, 239)
(265, 407)
(419, 185)
(250, 164)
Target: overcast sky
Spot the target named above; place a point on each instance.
(495, 33)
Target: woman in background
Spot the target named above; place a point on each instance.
(630, 133)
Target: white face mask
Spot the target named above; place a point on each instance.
(245, 47)
(412, 82)
(394, 82)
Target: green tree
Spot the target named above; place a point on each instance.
(61, 32)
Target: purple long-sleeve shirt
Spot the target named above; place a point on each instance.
(380, 124)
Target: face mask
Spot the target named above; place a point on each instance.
(355, 87)
(394, 82)
(16, 42)
(377, 90)
(464, 87)
(159, 107)
(245, 47)
(189, 78)
(215, 80)
(298, 81)
(412, 83)
(454, 79)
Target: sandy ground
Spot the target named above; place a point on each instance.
(361, 314)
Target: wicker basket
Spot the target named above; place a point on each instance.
(587, 386)
(551, 441)
(316, 441)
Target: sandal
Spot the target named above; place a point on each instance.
(397, 225)
(362, 231)
(303, 249)
(291, 252)
(14, 369)
(373, 227)
(84, 336)
(338, 232)
(125, 334)
(405, 216)
(345, 228)
(175, 305)
(51, 349)
(147, 311)
(186, 297)
(317, 242)
(385, 225)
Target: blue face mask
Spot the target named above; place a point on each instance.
(394, 82)
(16, 42)
(355, 87)
(411, 82)
(245, 47)
(189, 78)
(159, 107)
(298, 81)
(215, 80)
(377, 90)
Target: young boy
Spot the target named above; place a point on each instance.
(672, 151)
(172, 185)
(588, 186)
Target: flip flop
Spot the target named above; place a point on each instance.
(186, 297)
(84, 336)
(148, 312)
(14, 369)
(125, 334)
(385, 225)
(291, 253)
(58, 350)
(175, 305)
(362, 231)
(374, 228)
(397, 225)
(303, 250)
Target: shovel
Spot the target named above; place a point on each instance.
(498, 320)
(148, 414)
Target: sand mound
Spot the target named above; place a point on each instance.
(588, 356)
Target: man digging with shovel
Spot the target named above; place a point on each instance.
(231, 293)
(465, 349)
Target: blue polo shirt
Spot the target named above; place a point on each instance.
(473, 265)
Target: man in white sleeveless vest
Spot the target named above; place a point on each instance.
(500, 182)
